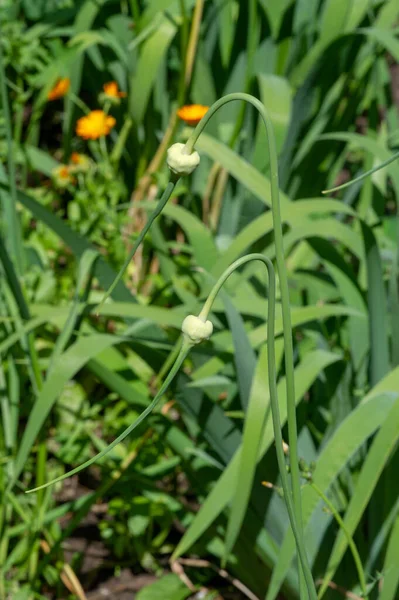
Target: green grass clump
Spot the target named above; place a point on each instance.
(97, 277)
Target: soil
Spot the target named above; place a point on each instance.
(95, 566)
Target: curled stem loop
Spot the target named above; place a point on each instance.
(293, 500)
(285, 305)
(271, 364)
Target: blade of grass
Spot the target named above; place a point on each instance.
(377, 305)
(223, 491)
(376, 460)
(350, 436)
(153, 52)
(23, 309)
(82, 289)
(10, 200)
(390, 569)
(256, 414)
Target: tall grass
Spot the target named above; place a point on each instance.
(322, 73)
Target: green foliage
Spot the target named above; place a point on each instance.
(168, 586)
(188, 479)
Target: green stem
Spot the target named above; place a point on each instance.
(134, 5)
(41, 464)
(163, 200)
(363, 175)
(294, 501)
(104, 150)
(285, 302)
(19, 121)
(252, 44)
(10, 207)
(193, 42)
(184, 31)
(173, 354)
(351, 543)
(79, 103)
(103, 141)
(179, 361)
(273, 398)
(120, 142)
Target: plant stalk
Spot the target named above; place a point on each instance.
(273, 394)
(285, 303)
(163, 200)
(349, 538)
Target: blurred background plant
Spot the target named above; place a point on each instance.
(89, 106)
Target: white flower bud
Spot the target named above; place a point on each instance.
(196, 330)
(180, 162)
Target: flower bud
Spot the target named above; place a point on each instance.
(196, 330)
(180, 162)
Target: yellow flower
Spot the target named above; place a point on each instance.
(111, 94)
(60, 89)
(192, 113)
(111, 89)
(96, 124)
(62, 176)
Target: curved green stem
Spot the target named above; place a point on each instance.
(179, 361)
(363, 175)
(271, 363)
(184, 31)
(79, 103)
(349, 538)
(293, 502)
(284, 291)
(163, 200)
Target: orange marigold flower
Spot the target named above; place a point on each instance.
(60, 89)
(111, 89)
(63, 172)
(62, 176)
(192, 113)
(79, 163)
(96, 124)
(76, 158)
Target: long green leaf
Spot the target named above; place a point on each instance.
(376, 459)
(153, 52)
(390, 570)
(377, 305)
(239, 168)
(256, 415)
(351, 434)
(221, 494)
(81, 293)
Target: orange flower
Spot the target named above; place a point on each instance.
(96, 124)
(62, 176)
(80, 163)
(63, 172)
(60, 89)
(192, 113)
(111, 90)
(76, 158)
